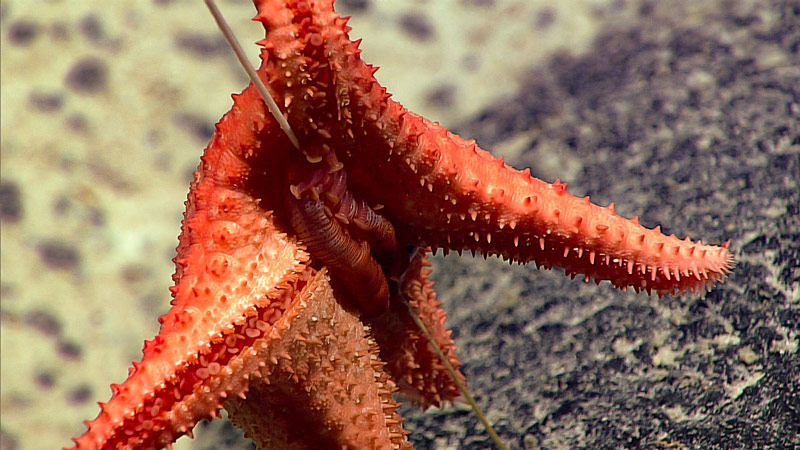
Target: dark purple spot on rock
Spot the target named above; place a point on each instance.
(545, 18)
(479, 3)
(201, 44)
(69, 350)
(77, 123)
(61, 206)
(22, 32)
(442, 97)
(45, 380)
(59, 30)
(7, 292)
(97, 217)
(87, 76)
(80, 394)
(8, 441)
(151, 301)
(134, 273)
(471, 62)
(417, 25)
(44, 322)
(646, 9)
(162, 161)
(91, 28)
(45, 102)
(154, 138)
(353, 6)
(10, 202)
(58, 255)
(197, 126)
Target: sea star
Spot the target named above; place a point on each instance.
(257, 322)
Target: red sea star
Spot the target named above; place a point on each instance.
(256, 316)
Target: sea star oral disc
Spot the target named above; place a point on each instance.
(270, 323)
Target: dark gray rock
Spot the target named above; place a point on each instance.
(692, 123)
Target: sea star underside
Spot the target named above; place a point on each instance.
(287, 326)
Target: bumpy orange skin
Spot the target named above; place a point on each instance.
(233, 257)
(337, 384)
(248, 294)
(443, 191)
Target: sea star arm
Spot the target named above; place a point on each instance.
(237, 270)
(456, 196)
(328, 390)
(443, 191)
(414, 366)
